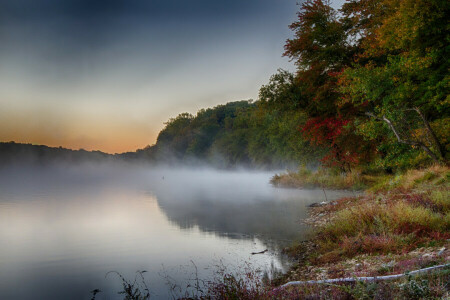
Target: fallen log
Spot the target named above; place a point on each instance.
(260, 252)
(354, 279)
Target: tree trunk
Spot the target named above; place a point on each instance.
(441, 149)
(406, 141)
(355, 279)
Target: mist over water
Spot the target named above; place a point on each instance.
(63, 227)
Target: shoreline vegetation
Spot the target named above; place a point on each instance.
(401, 224)
(323, 178)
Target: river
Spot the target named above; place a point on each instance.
(63, 228)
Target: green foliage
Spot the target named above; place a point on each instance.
(401, 74)
(264, 133)
(282, 92)
(199, 137)
(416, 288)
(385, 59)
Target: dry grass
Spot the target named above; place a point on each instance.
(428, 286)
(402, 224)
(440, 199)
(415, 213)
(322, 178)
(436, 175)
(393, 225)
(325, 178)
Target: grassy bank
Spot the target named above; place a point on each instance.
(401, 224)
(324, 178)
(359, 180)
(426, 286)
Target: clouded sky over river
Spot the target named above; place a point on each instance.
(106, 74)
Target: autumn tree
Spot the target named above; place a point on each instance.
(321, 50)
(401, 75)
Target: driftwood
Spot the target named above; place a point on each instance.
(260, 252)
(354, 279)
(317, 204)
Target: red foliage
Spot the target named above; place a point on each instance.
(324, 131)
(321, 51)
(331, 133)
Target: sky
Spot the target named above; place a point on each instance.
(106, 74)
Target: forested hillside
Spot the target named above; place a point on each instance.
(258, 134)
(371, 92)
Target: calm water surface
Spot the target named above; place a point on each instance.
(63, 228)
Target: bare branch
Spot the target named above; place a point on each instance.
(404, 141)
(368, 113)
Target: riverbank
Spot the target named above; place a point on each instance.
(399, 225)
(327, 179)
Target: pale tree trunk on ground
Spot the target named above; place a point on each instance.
(354, 279)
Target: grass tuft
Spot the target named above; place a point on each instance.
(323, 178)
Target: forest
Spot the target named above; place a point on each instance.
(252, 134)
(370, 92)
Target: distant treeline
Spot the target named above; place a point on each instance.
(252, 134)
(18, 153)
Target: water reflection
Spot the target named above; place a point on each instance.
(62, 229)
(275, 217)
(237, 205)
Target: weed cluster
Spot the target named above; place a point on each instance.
(391, 225)
(248, 287)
